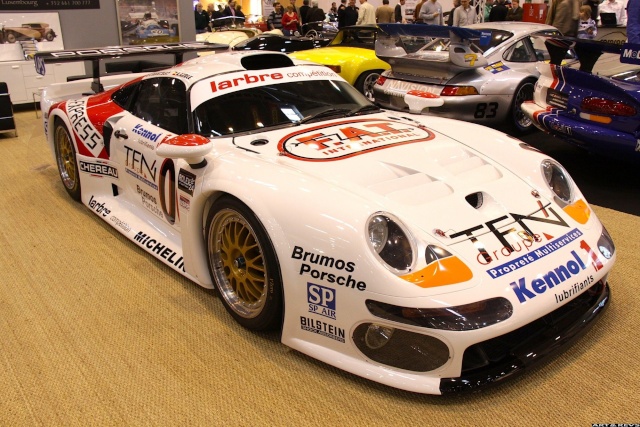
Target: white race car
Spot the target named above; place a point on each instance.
(424, 253)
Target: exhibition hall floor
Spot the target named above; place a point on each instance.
(95, 332)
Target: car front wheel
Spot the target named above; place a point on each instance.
(66, 160)
(244, 265)
(521, 123)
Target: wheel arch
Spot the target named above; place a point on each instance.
(56, 117)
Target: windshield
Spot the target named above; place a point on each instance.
(355, 37)
(276, 105)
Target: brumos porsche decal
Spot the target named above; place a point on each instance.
(349, 138)
(86, 132)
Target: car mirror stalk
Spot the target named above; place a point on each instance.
(190, 147)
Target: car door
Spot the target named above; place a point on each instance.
(156, 111)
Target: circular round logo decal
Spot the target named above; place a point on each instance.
(339, 140)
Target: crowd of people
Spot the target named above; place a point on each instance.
(217, 16)
(576, 18)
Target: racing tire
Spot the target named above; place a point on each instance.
(366, 81)
(244, 266)
(66, 160)
(520, 123)
(11, 38)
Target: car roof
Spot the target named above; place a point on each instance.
(518, 28)
(203, 67)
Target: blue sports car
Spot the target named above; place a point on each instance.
(596, 107)
(153, 29)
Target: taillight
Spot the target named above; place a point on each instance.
(381, 80)
(458, 91)
(606, 106)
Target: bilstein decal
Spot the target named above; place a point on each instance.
(349, 138)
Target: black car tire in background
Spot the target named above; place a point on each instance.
(366, 81)
(520, 123)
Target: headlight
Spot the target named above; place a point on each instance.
(558, 180)
(390, 242)
(605, 244)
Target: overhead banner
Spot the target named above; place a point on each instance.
(33, 5)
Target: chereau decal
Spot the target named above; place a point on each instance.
(349, 138)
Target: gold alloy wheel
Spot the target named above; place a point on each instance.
(66, 158)
(238, 264)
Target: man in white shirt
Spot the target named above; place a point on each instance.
(366, 14)
(614, 6)
(464, 14)
(431, 12)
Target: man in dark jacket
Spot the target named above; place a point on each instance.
(202, 20)
(498, 12)
(315, 14)
(351, 14)
(397, 12)
(303, 12)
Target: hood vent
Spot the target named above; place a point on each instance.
(475, 200)
(451, 166)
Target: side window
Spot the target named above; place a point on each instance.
(521, 52)
(124, 96)
(162, 102)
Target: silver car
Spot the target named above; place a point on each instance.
(482, 72)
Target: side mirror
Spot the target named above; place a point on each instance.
(418, 100)
(189, 147)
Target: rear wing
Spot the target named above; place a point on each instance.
(95, 55)
(589, 51)
(448, 49)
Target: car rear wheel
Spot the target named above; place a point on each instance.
(366, 81)
(244, 266)
(520, 122)
(49, 36)
(11, 38)
(66, 160)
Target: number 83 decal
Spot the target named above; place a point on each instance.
(486, 110)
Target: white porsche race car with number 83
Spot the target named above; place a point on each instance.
(424, 253)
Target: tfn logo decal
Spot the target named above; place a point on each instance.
(321, 300)
(500, 235)
(138, 163)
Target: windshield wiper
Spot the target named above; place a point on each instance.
(325, 113)
(369, 107)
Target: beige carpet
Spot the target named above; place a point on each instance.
(95, 332)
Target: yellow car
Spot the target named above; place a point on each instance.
(351, 54)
